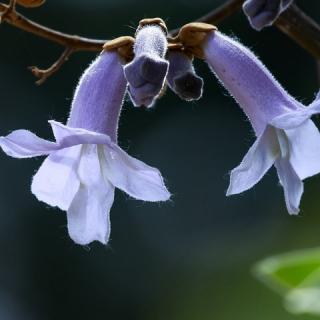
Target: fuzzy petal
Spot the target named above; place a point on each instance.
(293, 119)
(56, 181)
(134, 177)
(67, 136)
(260, 157)
(88, 215)
(25, 144)
(304, 149)
(292, 185)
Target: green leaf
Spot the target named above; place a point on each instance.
(295, 276)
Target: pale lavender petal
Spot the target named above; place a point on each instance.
(57, 181)
(67, 136)
(293, 119)
(291, 183)
(25, 144)
(304, 149)
(134, 177)
(88, 215)
(260, 157)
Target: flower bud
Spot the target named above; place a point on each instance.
(263, 13)
(146, 73)
(182, 78)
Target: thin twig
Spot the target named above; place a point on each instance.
(293, 22)
(77, 43)
(301, 28)
(217, 15)
(44, 74)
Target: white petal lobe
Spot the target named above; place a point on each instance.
(291, 183)
(56, 181)
(260, 157)
(134, 177)
(88, 215)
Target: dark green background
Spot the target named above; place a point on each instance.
(187, 259)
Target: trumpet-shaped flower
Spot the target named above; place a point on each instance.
(85, 164)
(263, 13)
(147, 72)
(182, 78)
(286, 137)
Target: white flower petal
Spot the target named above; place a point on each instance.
(25, 144)
(292, 185)
(304, 149)
(88, 215)
(293, 119)
(260, 157)
(68, 136)
(137, 179)
(290, 120)
(56, 181)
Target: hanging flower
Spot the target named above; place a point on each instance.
(147, 72)
(286, 137)
(263, 13)
(85, 164)
(182, 78)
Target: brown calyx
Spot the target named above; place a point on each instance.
(124, 46)
(153, 21)
(30, 3)
(192, 37)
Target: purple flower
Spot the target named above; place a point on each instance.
(286, 137)
(146, 73)
(85, 164)
(263, 13)
(182, 78)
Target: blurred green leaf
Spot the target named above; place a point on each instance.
(296, 276)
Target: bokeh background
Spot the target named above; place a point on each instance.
(190, 258)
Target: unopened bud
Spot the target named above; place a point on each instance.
(182, 78)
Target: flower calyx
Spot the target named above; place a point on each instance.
(30, 3)
(153, 21)
(123, 45)
(191, 38)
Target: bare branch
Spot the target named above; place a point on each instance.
(44, 74)
(301, 28)
(77, 43)
(11, 7)
(293, 22)
(217, 15)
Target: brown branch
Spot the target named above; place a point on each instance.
(44, 74)
(301, 28)
(77, 43)
(217, 15)
(293, 22)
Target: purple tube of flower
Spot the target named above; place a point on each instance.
(182, 78)
(286, 137)
(85, 164)
(147, 72)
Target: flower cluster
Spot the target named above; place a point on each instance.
(85, 164)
